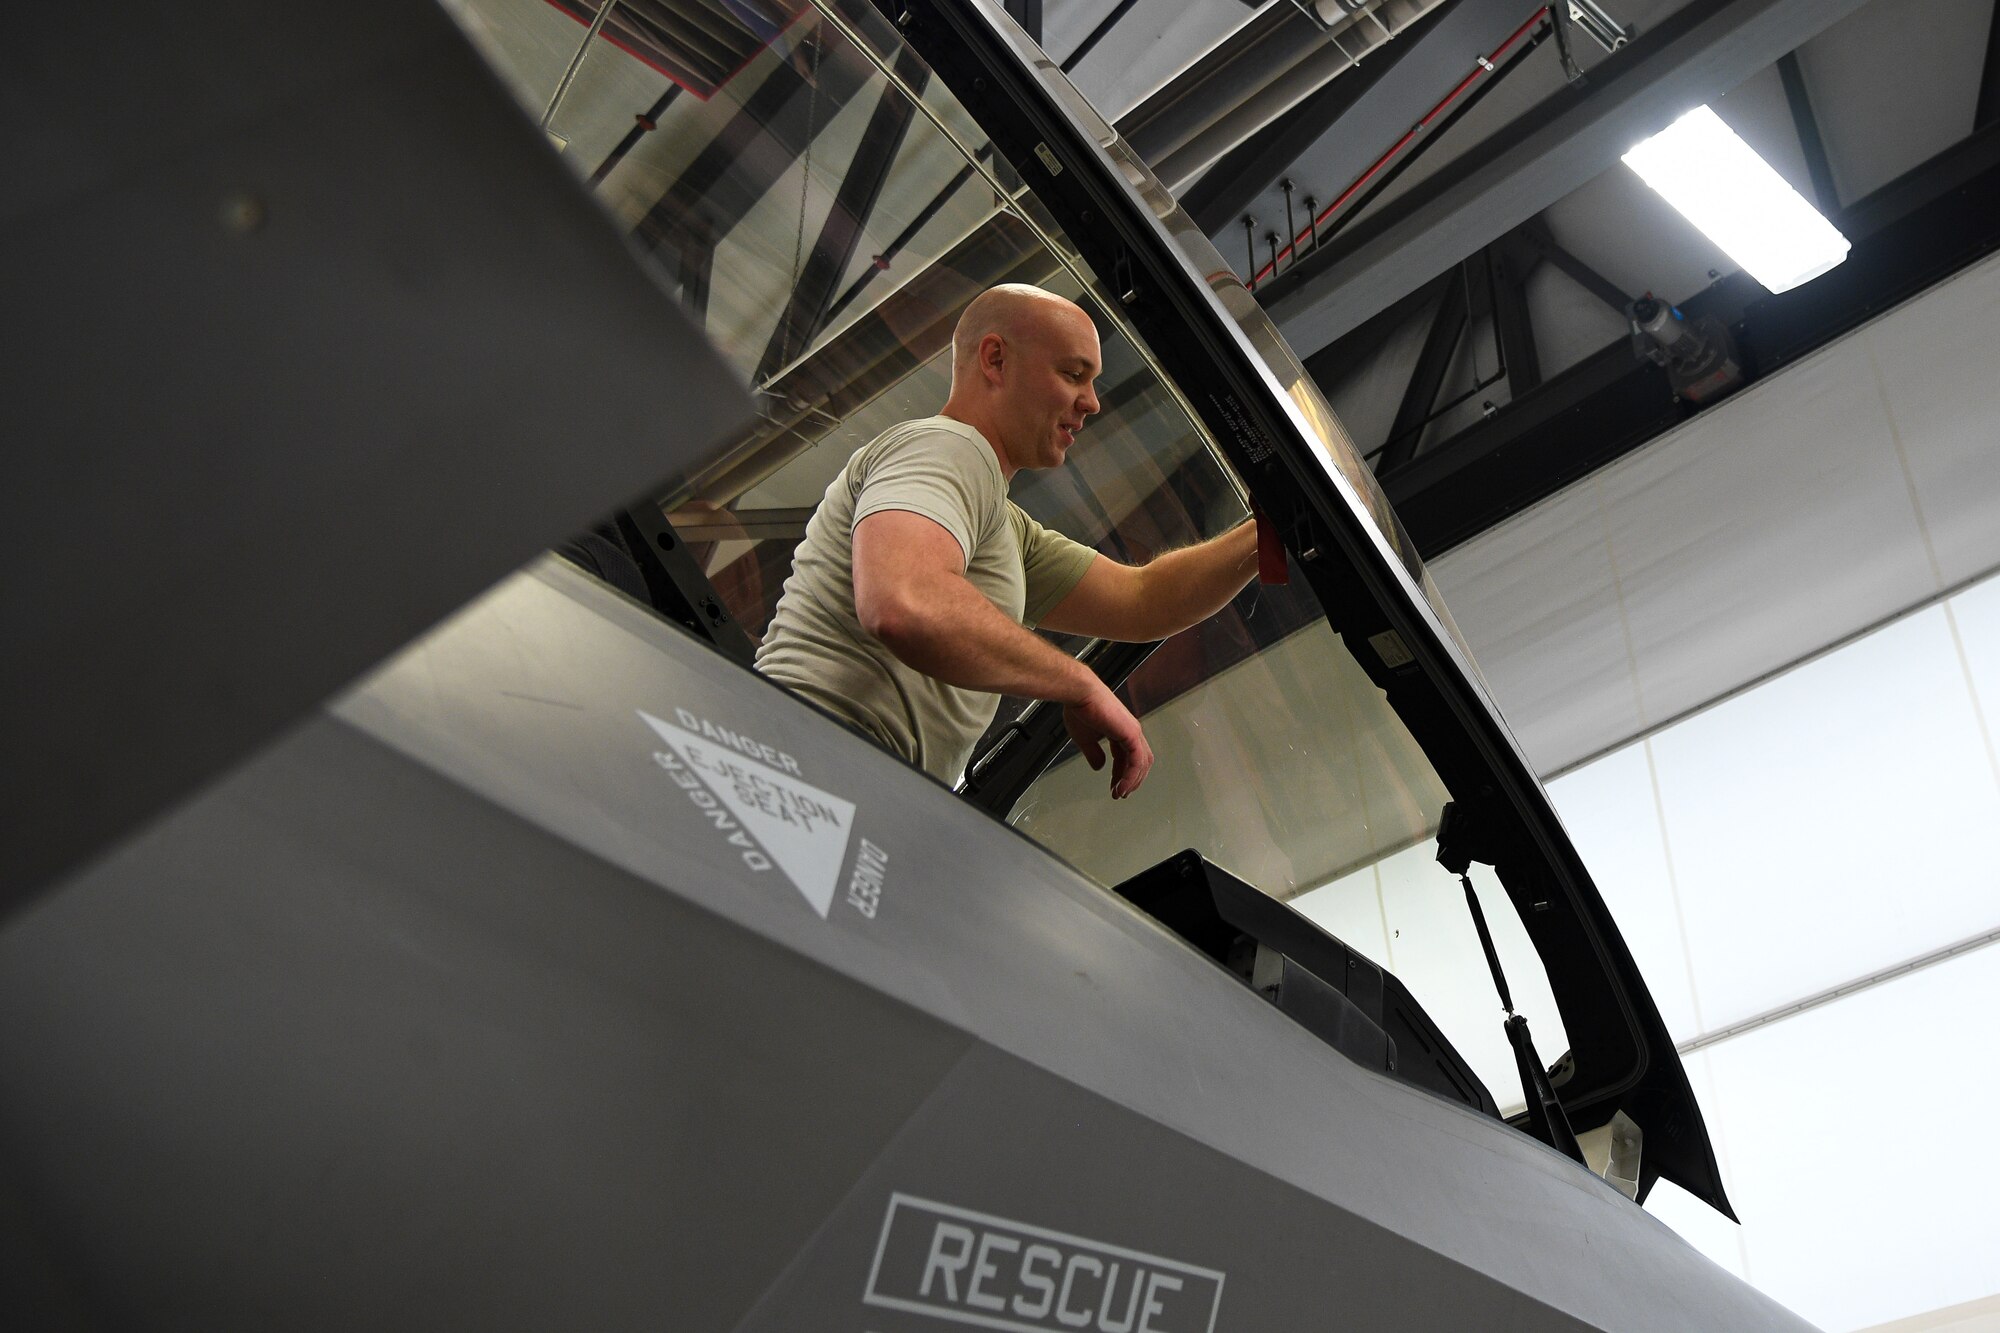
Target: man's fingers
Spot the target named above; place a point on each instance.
(1132, 759)
(1092, 723)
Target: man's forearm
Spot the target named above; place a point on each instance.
(953, 634)
(1187, 586)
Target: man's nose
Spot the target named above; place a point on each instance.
(1088, 404)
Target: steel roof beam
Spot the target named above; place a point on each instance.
(1427, 377)
(1695, 54)
(1806, 124)
(1536, 233)
(1916, 231)
(1510, 262)
(1097, 34)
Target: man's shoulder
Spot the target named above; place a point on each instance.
(938, 448)
(940, 435)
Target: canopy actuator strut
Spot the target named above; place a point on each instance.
(1460, 842)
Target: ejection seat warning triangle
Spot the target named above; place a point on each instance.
(803, 828)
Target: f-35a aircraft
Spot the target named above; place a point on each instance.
(395, 947)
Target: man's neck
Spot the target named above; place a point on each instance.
(968, 416)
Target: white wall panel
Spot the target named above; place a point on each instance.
(1980, 1316)
(1828, 824)
(1438, 957)
(1859, 1155)
(1611, 815)
(1941, 381)
(1819, 818)
(1976, 613)
(1407, 913)
(1537, 600)
(1815, 829)
(1721, 578)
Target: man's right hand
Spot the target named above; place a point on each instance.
(1101, 718)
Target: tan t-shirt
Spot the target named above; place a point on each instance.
(944, 470)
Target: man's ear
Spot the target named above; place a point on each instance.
(993, 358)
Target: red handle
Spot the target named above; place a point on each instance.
(1271, 566)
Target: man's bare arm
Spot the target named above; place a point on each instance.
(910, 592)
(1137, 603)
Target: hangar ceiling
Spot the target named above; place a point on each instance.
(1463, 307)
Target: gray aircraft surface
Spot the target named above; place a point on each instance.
(560, 971)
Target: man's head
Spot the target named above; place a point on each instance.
(1023, 371)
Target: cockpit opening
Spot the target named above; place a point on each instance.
(827, 210)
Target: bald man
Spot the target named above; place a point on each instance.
(911, 601)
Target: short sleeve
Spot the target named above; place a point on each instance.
(1052, 564)
(938, 474)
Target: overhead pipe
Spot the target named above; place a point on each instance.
(1484, 72)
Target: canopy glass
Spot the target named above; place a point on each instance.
(827, 209)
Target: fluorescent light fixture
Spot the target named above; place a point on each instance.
(1718, 182)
